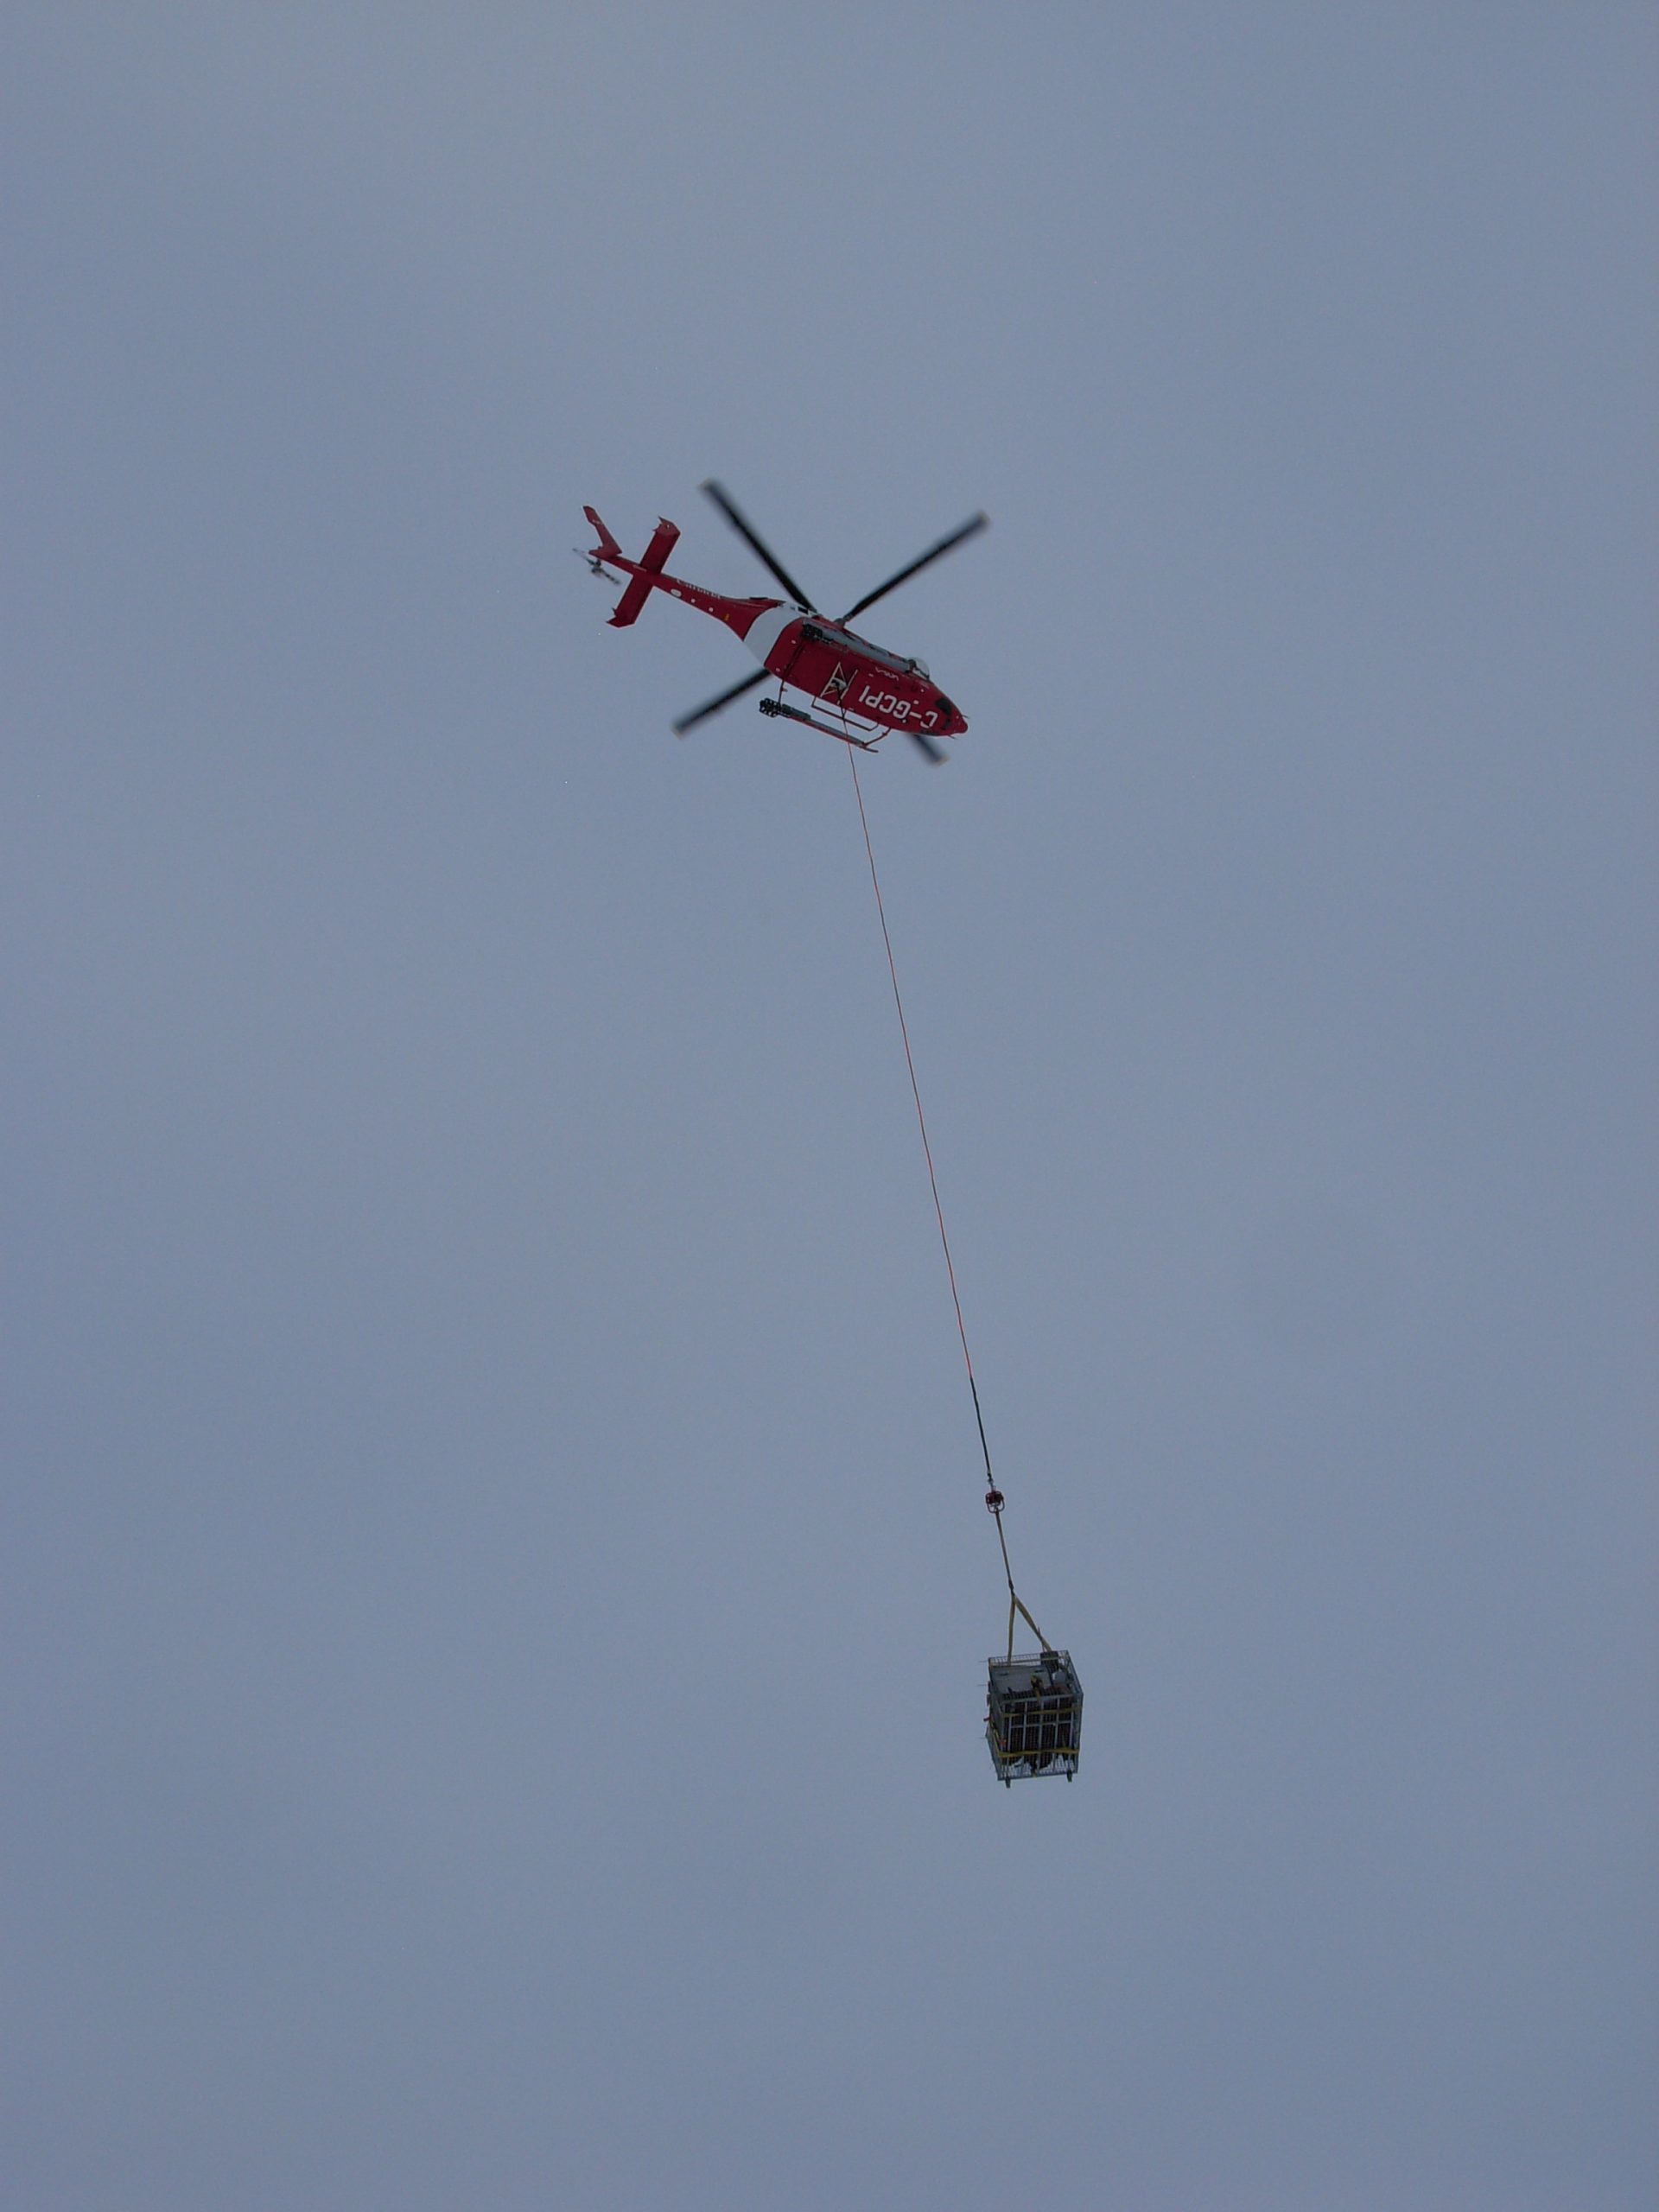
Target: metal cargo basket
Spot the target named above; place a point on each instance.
(1033, 1720)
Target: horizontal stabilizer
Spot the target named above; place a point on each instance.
(664, 539)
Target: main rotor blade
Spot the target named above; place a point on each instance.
(755, 544)
(945, 545)
(926, 744)
(724, 699)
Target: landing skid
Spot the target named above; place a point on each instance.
(826, 729)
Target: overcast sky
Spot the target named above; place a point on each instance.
(497, 1592)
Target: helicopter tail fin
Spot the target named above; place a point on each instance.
(607, 549)
(643, 574)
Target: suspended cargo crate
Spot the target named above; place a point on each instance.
(1034, 1720)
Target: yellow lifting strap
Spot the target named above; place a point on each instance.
(1016, 1605)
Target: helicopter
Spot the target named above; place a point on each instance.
(868, 688)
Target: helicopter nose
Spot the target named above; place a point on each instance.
(951, 715)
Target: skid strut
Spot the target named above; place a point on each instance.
(828, 729)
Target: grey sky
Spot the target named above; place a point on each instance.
(498, 1589)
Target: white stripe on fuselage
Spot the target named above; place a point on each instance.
(766, 628)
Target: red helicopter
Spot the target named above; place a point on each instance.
(868, 689)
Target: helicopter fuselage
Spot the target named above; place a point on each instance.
(832, 664)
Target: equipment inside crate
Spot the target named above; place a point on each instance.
(1033, 1720)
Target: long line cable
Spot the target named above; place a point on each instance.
(993, 1495)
